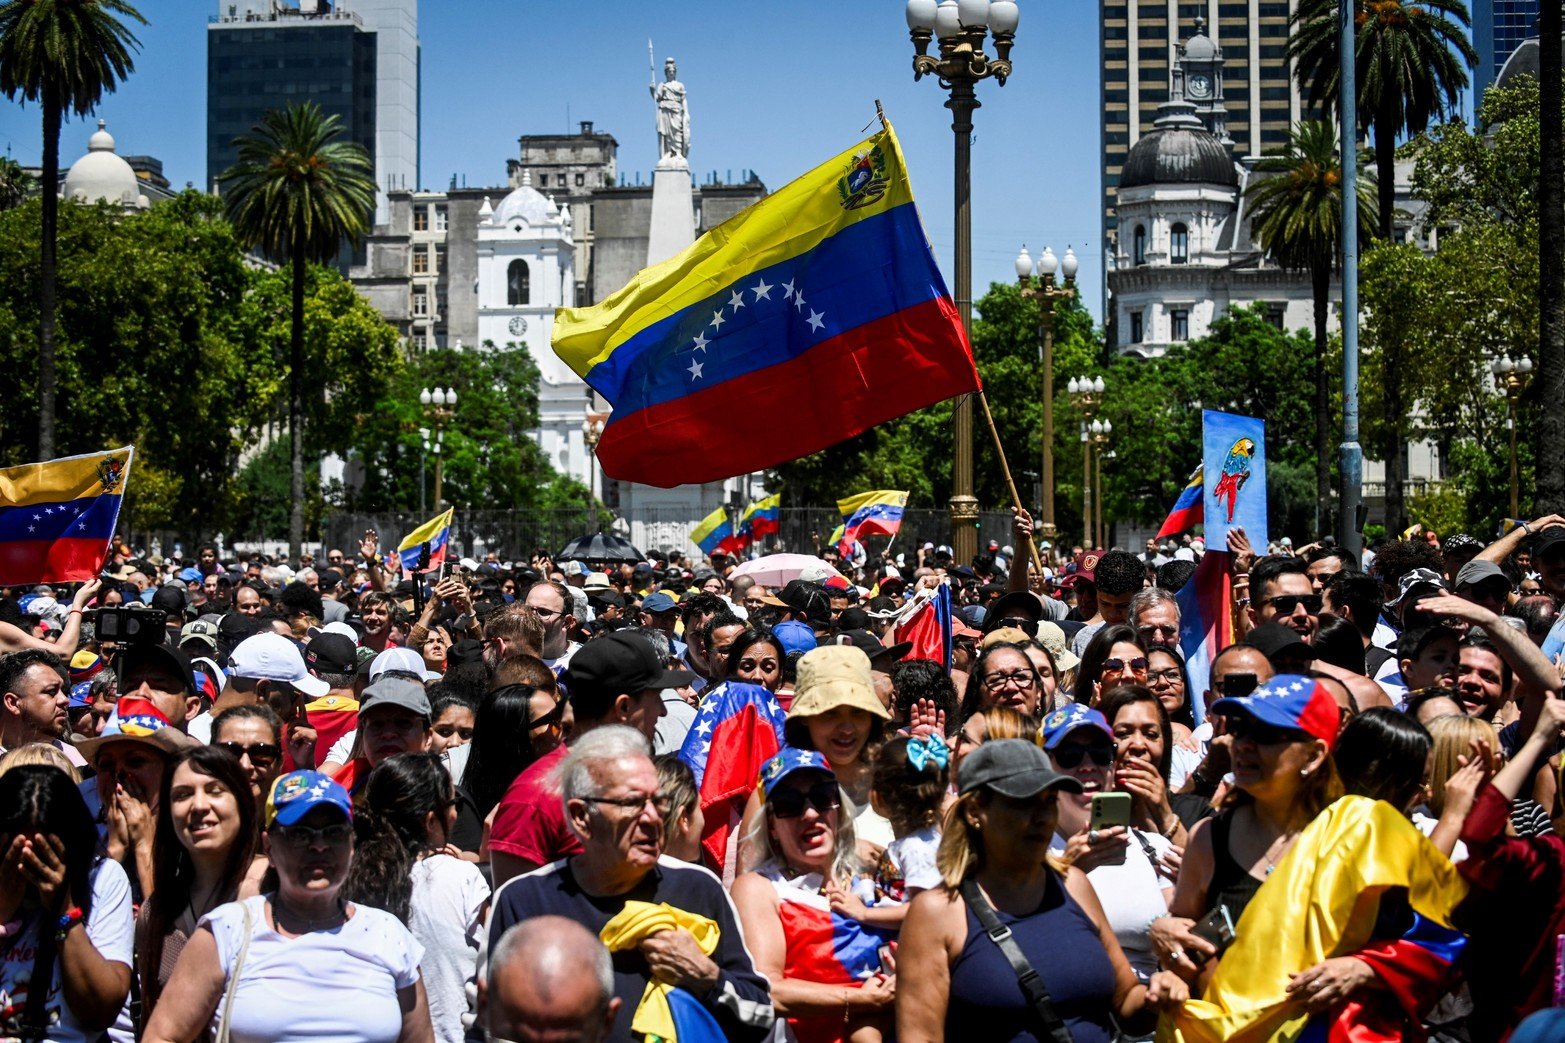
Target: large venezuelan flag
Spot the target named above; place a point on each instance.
(437, 533)
(821, 306)
(1188, 510)
(57, 517)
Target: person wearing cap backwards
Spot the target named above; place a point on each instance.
(614, 679)
(994, 859)
(313, 965)
(1283, 734)
(666, 921)
(36, 702)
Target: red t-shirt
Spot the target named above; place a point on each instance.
(529, 822)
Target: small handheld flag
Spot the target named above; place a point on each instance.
(715, 533)
(1188, 509)
(761, 519)
(877, 513)
(822, 304)
(57, 517)
(436, 532)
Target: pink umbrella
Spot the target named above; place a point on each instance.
(776, 570)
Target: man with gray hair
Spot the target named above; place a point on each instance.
(609, 789)
(549, 978)
(1155, 615)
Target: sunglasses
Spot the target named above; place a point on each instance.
(1285, 604)
(1070, 757)
(262, 754)
(1262, 734)
(301, 837)
(790, 803)
(1026, 626)
(1121, 665)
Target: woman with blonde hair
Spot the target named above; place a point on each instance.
(1464, 753)
(38, 753)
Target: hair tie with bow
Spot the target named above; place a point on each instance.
(931, 749)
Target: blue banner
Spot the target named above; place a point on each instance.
(1233, 454)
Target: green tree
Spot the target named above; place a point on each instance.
(297, 192)
(64, 55)
(1411, 68)
(15, 184)
(1296, 215)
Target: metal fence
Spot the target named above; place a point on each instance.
(512, 534)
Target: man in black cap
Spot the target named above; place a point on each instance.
(808, 604)
(332, 587)
(614, 679)
(162, 675)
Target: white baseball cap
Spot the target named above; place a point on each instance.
(339, 628)
(272, 657)
(401, 659)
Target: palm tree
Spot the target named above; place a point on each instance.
(65, 55)
(1296, 216)
(297, 193)
(15, 184)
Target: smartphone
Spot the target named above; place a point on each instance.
(1110, 809)
(1216, 927)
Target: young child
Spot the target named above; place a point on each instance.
(908, 787)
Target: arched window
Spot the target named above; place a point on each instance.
(1179, 245)
(1140, 245)
(518, 288)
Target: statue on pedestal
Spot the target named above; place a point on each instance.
(673, 113)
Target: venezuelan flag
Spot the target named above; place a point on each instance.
(436, 532)
(877, 513)
(762, 517)
(1205, 617)
(714, 533)
(57, 517)
(1188, 510)
(822, 304)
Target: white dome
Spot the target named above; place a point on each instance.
(101, 175)
(526, 204)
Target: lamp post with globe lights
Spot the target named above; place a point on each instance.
(591, 432)
(1100, 431)
(961, 28)
(1047, 293)
(1511, 375)
(439, 406)
(1086, 393)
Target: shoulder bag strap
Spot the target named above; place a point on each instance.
(1054, 1030)
(233, 976)
(35, 1015)
(1146, 846)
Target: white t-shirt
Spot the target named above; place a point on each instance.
(1132, 897)
(199, 728)
(337, 986)
(911, 860)
(559, 665)
(1426, 824)
(112, 929)
(1180, 765)
(448, 900)
(341, 751)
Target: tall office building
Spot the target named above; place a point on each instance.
(1139, 44)
(357, 59)
(1499, 27)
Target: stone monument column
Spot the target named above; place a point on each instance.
(673, 214)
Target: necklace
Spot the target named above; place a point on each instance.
(1287, 840)
(279, 911)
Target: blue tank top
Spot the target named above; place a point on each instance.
(1063, 946)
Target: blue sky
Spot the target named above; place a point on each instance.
(774, 87)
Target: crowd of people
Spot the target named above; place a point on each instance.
(246, 801)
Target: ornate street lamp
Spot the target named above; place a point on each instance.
(1087, 394)
(1047, 293)
(439, 406)
(1511, 375)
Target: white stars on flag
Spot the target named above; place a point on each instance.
(762, 291)
(815, 320)
(695, 370)
(793, 292)
(736, 301)
(717, 319)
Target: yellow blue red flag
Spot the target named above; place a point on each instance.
(436, 533)
(820, 306)
(57, 517)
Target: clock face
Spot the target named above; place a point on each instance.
(518, 326)
(1200, 85)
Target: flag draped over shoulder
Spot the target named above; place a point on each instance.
(820, 306)
(1325, 899)
(57, 517)
(739, 728)
(1188, 510)
(436, 532)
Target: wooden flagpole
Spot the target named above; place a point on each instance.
(1005, 469)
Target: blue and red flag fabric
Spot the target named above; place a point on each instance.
(57, 517)
(715, 533)
(876, 513)
(762, 518)
(436, 533)
(927, 623)
(738, 729)
(820, 306)
(1205, 618)
(1187, 512)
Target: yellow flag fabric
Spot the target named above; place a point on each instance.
(1320, 902)
(634, 924)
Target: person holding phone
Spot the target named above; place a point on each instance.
(1093, 833)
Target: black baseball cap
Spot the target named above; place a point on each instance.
(808, 598)
(1018, 604)
(138, 655)
(619, 663)
(1548, 539)
(1273, 640)
(880, 656)
(331, 654)
(1012, 768)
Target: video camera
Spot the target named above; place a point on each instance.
(128, 624)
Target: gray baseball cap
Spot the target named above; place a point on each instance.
(1475, 572)
(395, 691)
(1012, 768)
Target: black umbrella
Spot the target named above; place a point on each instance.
(600, 548)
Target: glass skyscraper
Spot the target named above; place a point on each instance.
(1499, 27)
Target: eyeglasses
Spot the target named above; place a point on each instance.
(1286, 604)
(1171, 676)
(630, 803)
(1262, 734)
(301, 837)
(262, 754)
(1016, 679)
(1070, 757)
(790, 803)
(547, 614)
(1158, 633)
(1120, 665)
